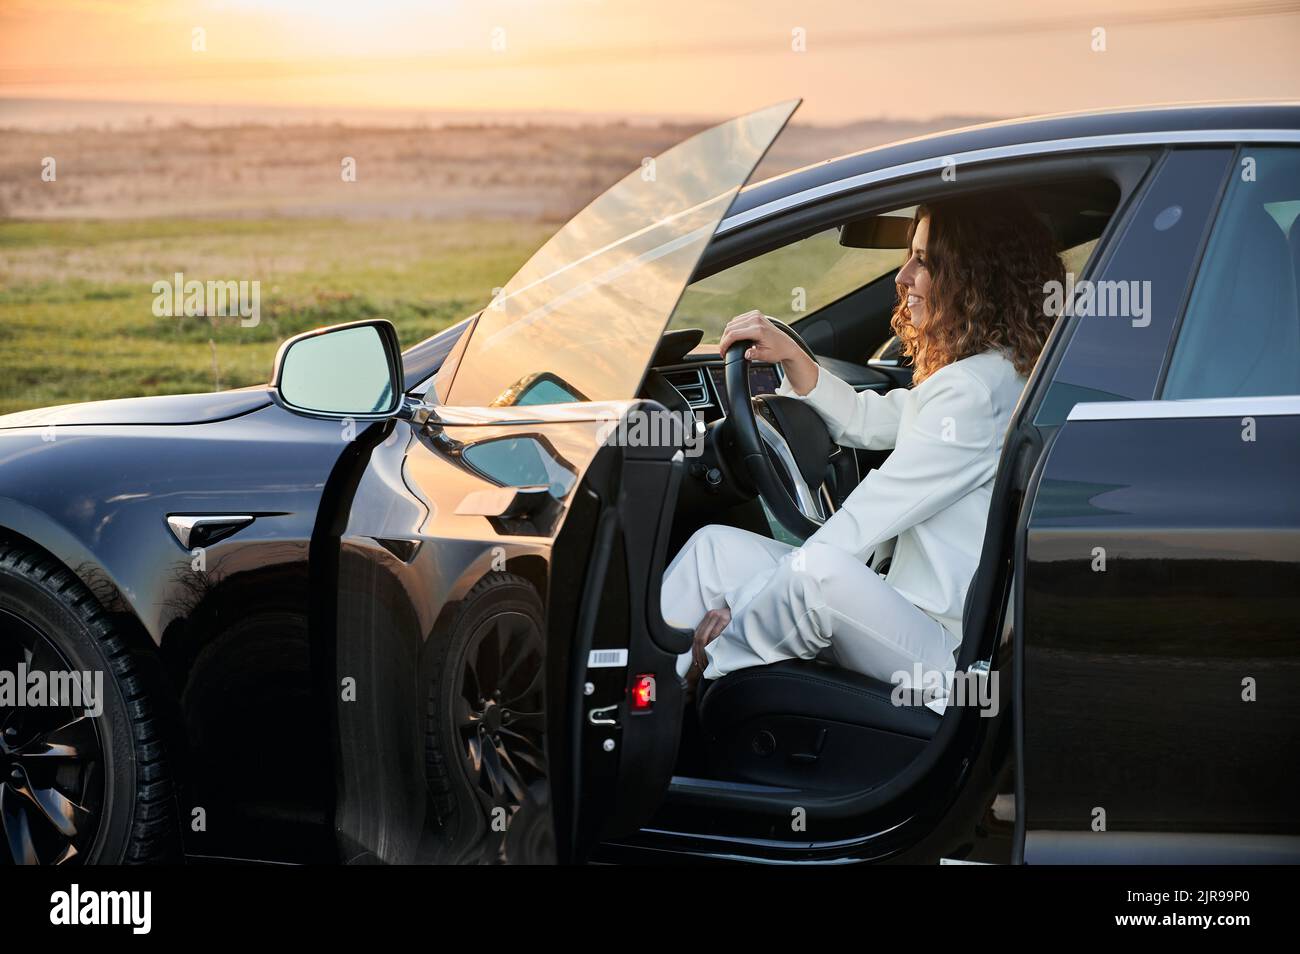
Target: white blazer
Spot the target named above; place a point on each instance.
(928, 504)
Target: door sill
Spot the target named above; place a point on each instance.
(687, 785)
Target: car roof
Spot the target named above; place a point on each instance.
(1151, 120)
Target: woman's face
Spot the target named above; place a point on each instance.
(914, 276)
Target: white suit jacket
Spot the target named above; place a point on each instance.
(929, 501)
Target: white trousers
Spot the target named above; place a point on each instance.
(800, 602)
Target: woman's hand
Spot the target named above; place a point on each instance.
(770, 343)
(710, 628)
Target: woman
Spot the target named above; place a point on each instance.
(971, 315)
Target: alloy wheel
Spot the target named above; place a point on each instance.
(51, 761)
(501, 713)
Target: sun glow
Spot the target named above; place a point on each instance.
(670, 57)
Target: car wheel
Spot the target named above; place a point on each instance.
(78, 785)
(485, 752)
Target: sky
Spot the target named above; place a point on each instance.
(848, 59)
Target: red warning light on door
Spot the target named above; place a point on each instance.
(643, 693)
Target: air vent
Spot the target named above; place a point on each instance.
(690, 383)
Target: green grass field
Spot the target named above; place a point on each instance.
(76, 298)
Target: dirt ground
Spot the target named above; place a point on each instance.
(518, 172)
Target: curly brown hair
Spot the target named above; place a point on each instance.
(989, 259)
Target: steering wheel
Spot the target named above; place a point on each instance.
(772, 431)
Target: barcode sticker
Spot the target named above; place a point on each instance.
(606, 658)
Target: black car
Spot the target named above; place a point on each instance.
(404, 607)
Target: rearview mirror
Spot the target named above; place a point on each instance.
(879, 231)
(352, 371)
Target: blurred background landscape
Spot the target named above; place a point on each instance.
(437, 217)
(206, 137)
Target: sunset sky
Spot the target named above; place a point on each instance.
(863, 59)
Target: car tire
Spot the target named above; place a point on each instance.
(111, 776)
(485, 737)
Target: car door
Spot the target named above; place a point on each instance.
(1159, 564)
(527, 474)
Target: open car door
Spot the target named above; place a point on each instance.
(506, 549)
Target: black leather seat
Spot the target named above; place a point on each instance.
(815, 689)
(809, 724)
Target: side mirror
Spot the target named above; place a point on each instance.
(352, 370)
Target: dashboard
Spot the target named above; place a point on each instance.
(703, 385)
(700, 378)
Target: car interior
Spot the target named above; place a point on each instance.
(806, 726)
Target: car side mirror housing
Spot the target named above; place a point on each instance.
(344, 371)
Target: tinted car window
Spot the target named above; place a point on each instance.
(1241, 333)
(1115, 354)
(581, 319)
(796, 281)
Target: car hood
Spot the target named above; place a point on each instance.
(161, 409)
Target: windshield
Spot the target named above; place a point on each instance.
(580, 320)
(790, 283)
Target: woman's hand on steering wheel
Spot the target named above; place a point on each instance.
(771, 344)
(756, 452)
